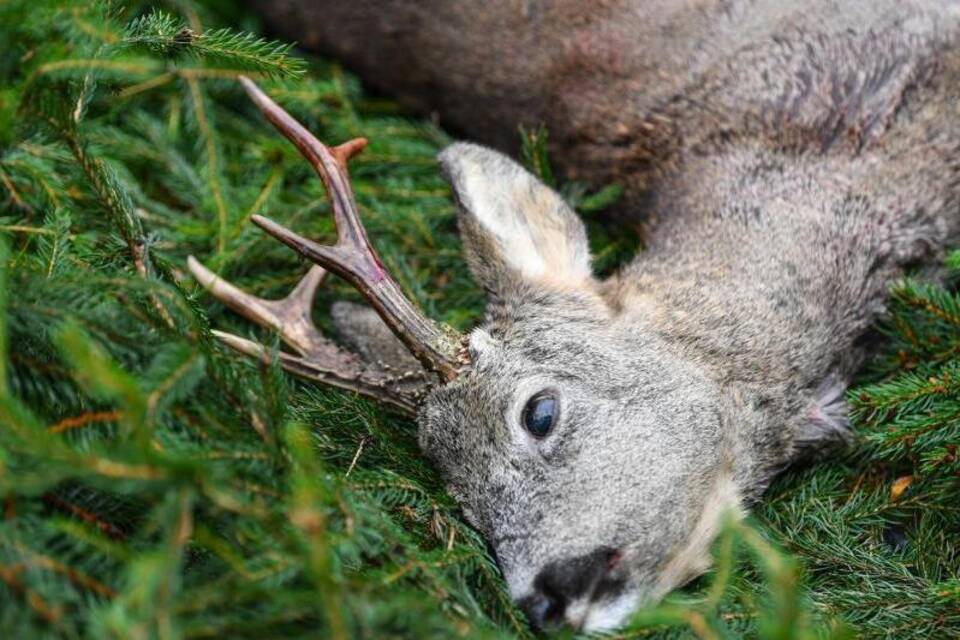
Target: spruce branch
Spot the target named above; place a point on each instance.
(4, 335)
(931, 299)
(114, 199)
(169, 37)
(534, 151)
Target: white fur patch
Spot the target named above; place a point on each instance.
(607, 615)
(480, 342)
(492, 206)
(537, 233)
(694, 557)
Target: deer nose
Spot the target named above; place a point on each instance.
(564, 581)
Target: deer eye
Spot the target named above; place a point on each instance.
(541, 413)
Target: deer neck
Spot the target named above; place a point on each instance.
(768, 269)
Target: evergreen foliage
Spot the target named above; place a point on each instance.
(154, 485)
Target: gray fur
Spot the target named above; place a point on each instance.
(797, 160)
(719, 351)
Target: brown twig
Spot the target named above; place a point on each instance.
(109, 529)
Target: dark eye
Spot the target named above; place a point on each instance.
(541, 413)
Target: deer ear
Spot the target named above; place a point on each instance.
(515, 229)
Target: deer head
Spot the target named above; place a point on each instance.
(590, 453)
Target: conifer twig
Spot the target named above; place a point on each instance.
(167, 36)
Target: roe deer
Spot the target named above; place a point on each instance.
(594, 431)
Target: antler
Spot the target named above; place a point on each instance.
(354, 259)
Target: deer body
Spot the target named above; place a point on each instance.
(626, 86)
(797, 161)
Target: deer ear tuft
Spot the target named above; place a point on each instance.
(514, 228)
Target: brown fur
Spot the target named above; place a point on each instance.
(625, 86)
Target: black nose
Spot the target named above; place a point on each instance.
(561, 582)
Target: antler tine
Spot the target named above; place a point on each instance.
(289, 316)
(330, 164)
(319, 358)
(353, 257)
(400, 392)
